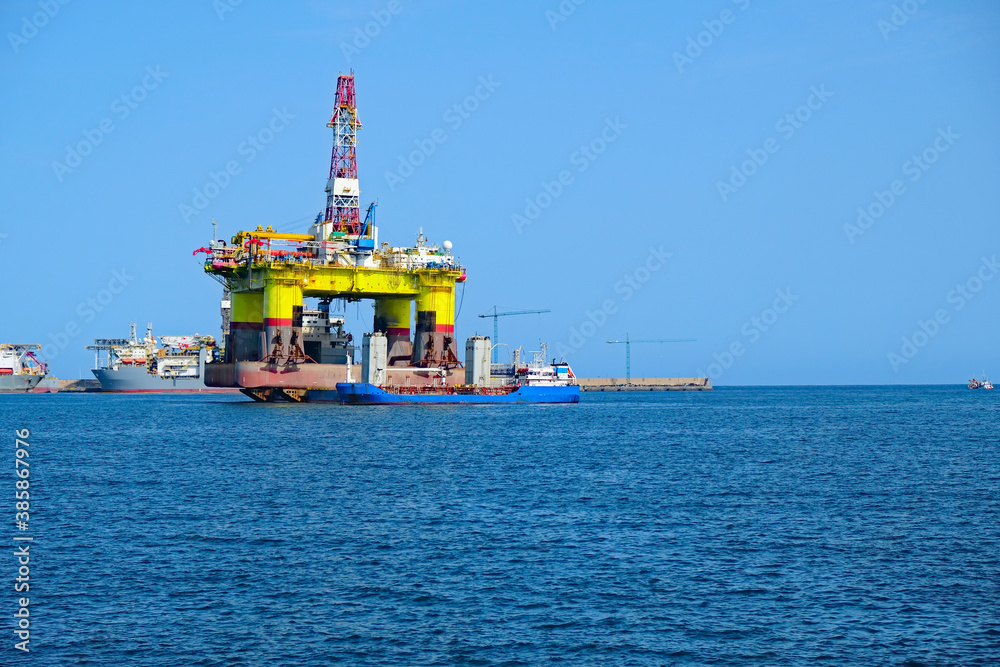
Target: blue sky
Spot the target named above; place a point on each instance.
(713, 156)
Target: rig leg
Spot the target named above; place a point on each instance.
(246, 326)
(392, 317)
(433, 342)
(282, 312)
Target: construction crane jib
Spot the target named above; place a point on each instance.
(628, 350)
(496, 330)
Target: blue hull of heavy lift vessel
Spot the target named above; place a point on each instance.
(363, 393)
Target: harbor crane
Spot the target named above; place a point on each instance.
(495, 315)
(628, 350)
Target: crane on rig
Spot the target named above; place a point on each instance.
(496, 315)
(628, 350)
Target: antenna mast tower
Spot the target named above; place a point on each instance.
(343, 209)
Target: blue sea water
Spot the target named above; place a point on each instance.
(745, 526)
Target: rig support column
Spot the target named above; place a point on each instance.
(246, 326)
(280, 300)
(434, 340)
(296, 344)
(392, 317)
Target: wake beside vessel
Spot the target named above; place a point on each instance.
(131, 365)
(22, 372)
(485, 383)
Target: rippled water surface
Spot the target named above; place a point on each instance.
(771, 526)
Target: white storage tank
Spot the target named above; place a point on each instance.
(374, 352)
(477, 361)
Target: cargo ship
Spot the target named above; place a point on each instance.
(131, 365)
(518, 382)
(21, 372)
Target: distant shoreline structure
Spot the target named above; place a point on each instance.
(645, 384)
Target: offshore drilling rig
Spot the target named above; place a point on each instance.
(268, 274)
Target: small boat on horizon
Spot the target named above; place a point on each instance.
(980, 384)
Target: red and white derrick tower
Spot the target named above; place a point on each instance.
(343, 207)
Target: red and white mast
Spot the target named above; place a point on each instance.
(343, 209)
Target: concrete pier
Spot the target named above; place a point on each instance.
(645, 384)
(79, 385)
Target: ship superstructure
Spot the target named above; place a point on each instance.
(116, 353)
(325, 340)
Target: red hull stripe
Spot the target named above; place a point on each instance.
(210, 390)
(253, 326)
(278, 321)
